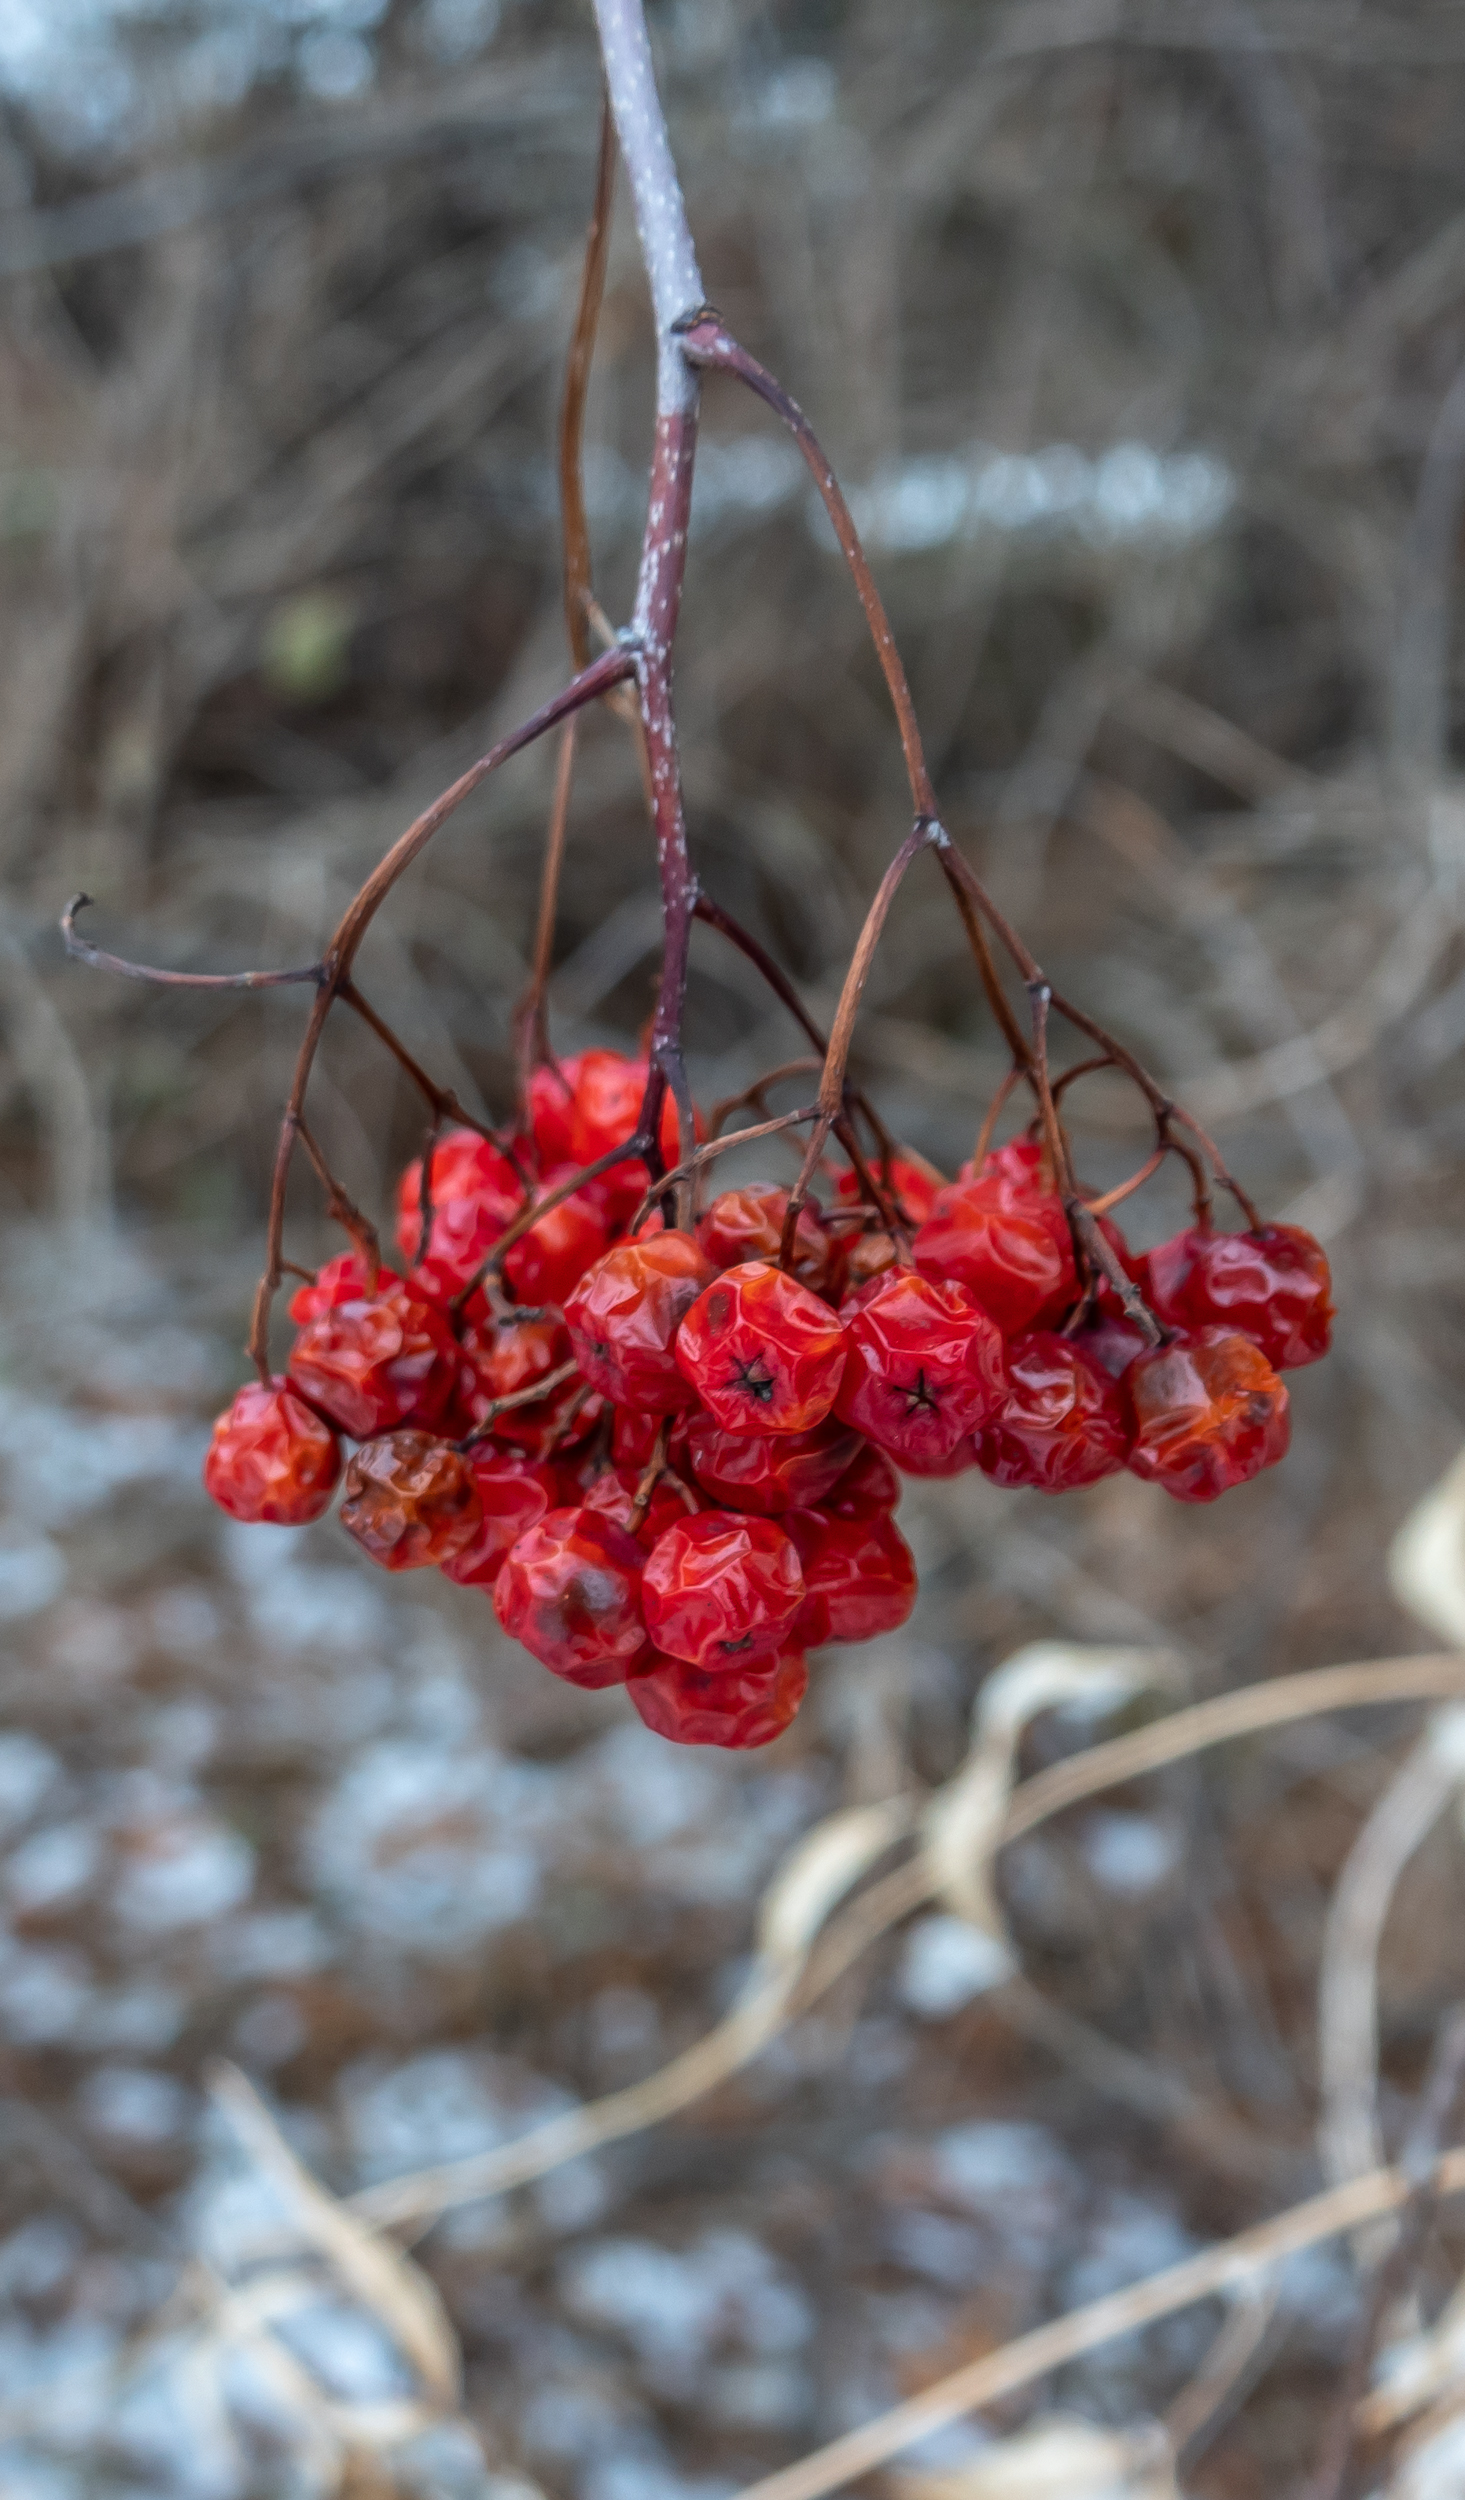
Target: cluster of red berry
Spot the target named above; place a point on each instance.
(668, 1453)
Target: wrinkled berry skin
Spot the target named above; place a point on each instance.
(547, 1262)
(769, 1472)
(1064, 1423)
(863, 1259)
(570, 1591)
(633, 1437)
(1013, 1253)
(871, 1484)
(914, 1191)
(859, 1576)
(374, 1364)
(345, 1278)
(613, 1496)
(1274, 1286)
(502, 1357)
(1112, 1343)
(762, 1352)
(514, 1494)
(410, 1500)
(747, 1224)
(722, 1586)
(624, 1316)
(925, 1368)
(271, 1459)
(475, 1193)
(742, 1705)
(1209, 1411)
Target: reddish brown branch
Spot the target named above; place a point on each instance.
(82, 951)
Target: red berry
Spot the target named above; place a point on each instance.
(271, 1459)
(1064, 1423)
(613, 1496)
(1112, 1343)
(1016, 1256)
(1016, 1169)
(864, 1260)
(913, 1188)
(721, 1586)
(1273, 1285)
(552, 1111)
(345, 1278)
(633, 1437)
(870, 1485)
(514, 1494)
(747, 1224)
(624, 1316)
(608, 1095)
(769, 1471)
(746, 1703)
(1209, 1411)
(762, 1352)
(547, 1263)
(410, 1500)
(925, 1368)
(859, 1576)
(501, 1357)
(372, 1364)
(475, 1193)
(570, 1590)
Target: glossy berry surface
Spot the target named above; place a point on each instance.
(624, 1315)
(410, 1500)
(500, 1358)
(742, 1705)
(547, 1262)
(721, 1586)
(925, 1368)
(475, 1193)
(859, 1577)
(271, 1459)
(862, 1258)
(769, 1472)
(343, 1279)
(1013, 1254)
(608, 1094)
(514, 1494)
(1209, 1412)
(871, 1484)
(570, 1591)
(762, 1352)
(1274, 1286)
(748, 1223)
(1111, 1342)
(1064, 1423)
(612, 1496)
(371, 1365)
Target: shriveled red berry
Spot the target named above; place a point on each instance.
(613, 1496)
(925, 1367)
(1015, 1255)
(1274, 1286)
(547, 1263)
(748, 1223)
(624, 1315)
(552, 1111)
(633, 1437)
(410, 1500)
(498, 1359)
(762, 1352)
(863, 1259)
(743, 1704)
(871, 1484)
(859, 1576)
(475, 1193)
(1064, 1422)
(1016, 1168)
(514, 1494)
(1112, 1343)
(345, 1278)
(721, 1586)
(370, 1365)
(570, 1590)
(271, 1459)
(769, 1471)
(608, 1093)
(912, 1187)
(1209, 1411)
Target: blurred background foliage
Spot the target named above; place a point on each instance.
(1136, 330)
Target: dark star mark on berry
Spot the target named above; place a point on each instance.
(754, 1382)
(918, 1395)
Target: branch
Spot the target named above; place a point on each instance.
(82, 951)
